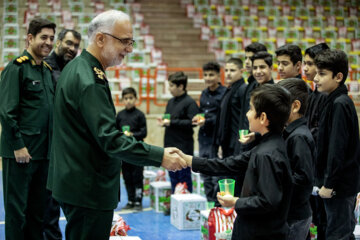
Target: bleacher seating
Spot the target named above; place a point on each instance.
(228, 25)
(277, 22)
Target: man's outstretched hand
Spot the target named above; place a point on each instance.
(187, 158)
(172, 161)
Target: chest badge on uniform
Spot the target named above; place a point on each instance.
(100, 74)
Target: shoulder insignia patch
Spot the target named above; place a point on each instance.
(47, 65)
(100, 75)
(21, 59)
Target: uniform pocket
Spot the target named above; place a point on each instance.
(33, 92)
(33, 86)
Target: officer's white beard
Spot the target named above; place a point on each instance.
(111, 55)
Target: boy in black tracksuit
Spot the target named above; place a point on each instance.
(301, 153)
(179, 129)
(209, 106)
(263, 206)
(338, 158)
(227, 122)
(131, 121)
(313, 111)
(226, 133)
(262, 73)
(250, 51)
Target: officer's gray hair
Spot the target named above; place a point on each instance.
(105, 21)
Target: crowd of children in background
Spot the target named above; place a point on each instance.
(301, 161)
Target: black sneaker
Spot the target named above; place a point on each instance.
(138, 206)
(167, 212)
(129, 205)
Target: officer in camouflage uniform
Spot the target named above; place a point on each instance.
(26, 103)
(88, 149)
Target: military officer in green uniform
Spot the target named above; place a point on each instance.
(26, 105)
(87, 148)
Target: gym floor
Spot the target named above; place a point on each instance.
(147, 225)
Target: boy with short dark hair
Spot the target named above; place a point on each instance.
(262, 73)
(262, 66)
(301, 153)
(289, 58)
(179, 129)
(250, 51)
(209, 106)
(316, 99)
(338, 158)
(227, 122)
(228, 119)
(313, 112)
(263, 206)
(132, 122)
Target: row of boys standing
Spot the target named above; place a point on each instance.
(337, 166)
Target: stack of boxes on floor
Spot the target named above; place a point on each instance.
(159, 188)
(188, 211)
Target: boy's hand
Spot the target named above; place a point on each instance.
(198, 121)
(227, 200)
(163, 122)
(326, 192)
(160, 122)
(187, 158)
(128, 134)
(220, 152)
(247, 138)
(172, 161)
(166, 122)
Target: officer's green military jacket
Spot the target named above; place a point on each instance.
(87, 148)
(26, 104)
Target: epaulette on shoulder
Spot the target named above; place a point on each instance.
(47, 65)
(100, 76)
(21, 59)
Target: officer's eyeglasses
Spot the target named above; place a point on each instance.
(129, 42)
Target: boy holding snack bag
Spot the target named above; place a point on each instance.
(131, 121)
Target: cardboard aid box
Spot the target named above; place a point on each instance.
(198, 184)
(149, 176)
(160, 193)
(185, 210)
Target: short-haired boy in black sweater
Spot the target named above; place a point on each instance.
(179, 129)
(132, 122)
(313, 112)
(263, 206)
(338, 159)
(250, 51)
(301, 153)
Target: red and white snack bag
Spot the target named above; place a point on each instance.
(181, 188)
(220, 223)
(160, 176)
(119, 228)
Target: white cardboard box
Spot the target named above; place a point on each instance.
(160, 193)
(357, 232)
(185, 210)
(198, 184)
